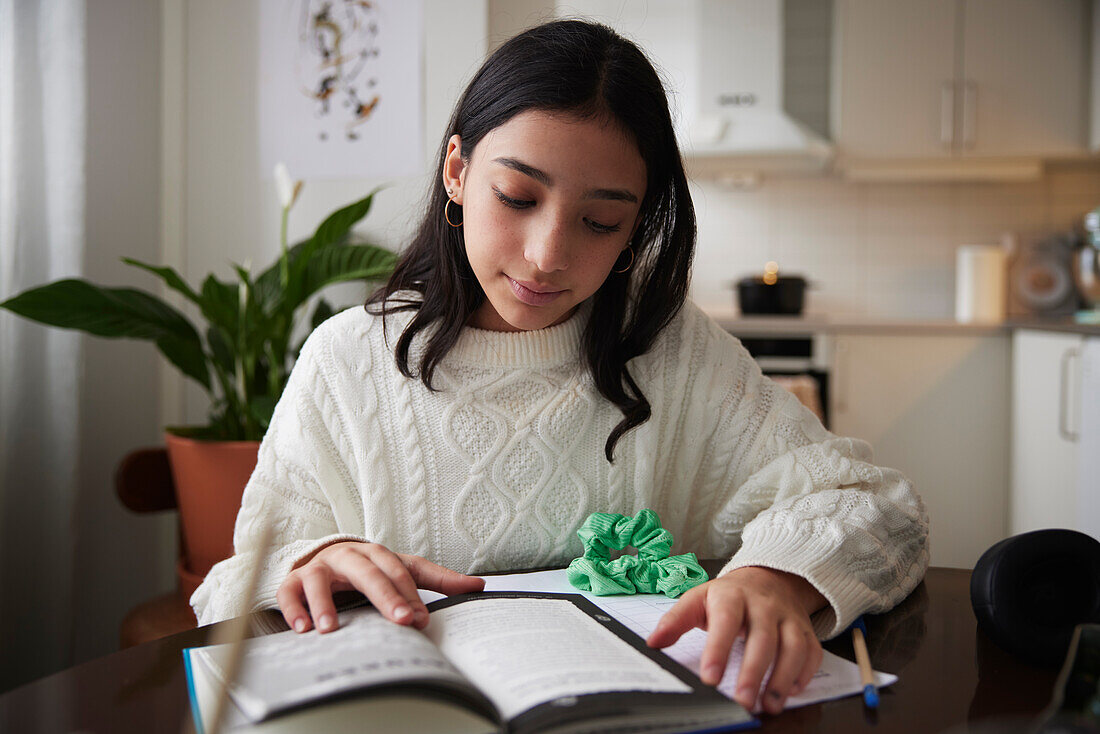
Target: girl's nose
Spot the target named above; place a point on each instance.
(548, 247)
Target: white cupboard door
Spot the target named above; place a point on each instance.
(1088, 450)
(1045, 429)
(1023, 78)
(893, 91)
(934, 408)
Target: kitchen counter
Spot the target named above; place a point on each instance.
(1062, 324)
(740, 325)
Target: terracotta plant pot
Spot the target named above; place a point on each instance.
(209, 478)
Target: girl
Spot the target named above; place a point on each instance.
(533, 360)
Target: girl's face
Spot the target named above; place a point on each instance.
(549, 201)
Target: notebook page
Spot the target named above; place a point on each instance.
(640, 613)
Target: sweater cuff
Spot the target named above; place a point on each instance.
(283, 562)
(781, 549)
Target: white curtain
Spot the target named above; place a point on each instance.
(42, 195)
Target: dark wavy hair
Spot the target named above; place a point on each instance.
(588, 70)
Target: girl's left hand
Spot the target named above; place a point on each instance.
(772, 610)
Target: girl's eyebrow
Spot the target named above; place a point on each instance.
(542, 177)
(517, 165)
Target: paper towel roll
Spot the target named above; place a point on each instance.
(980, 284)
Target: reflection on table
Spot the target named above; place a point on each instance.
(951, 678)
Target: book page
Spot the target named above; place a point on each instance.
(287, 669)
(397, 711)
(523, 652)
(835, 678)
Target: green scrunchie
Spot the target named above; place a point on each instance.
(653, 570)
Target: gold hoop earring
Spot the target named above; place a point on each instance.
(447, 216)
(629, 264)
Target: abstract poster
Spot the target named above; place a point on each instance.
(340, 92)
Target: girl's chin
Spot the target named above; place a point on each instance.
(517, 317)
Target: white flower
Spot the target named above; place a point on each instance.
(286, 188)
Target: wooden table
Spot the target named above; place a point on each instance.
(951, 678)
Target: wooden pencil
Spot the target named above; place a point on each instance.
(866, 673)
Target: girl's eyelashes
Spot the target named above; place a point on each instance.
(510, 202)
(592, 224)
(602, 228)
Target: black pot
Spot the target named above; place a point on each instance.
(785, 296)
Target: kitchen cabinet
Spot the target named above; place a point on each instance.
(1055, 432)
(960, 79)
(935, 407)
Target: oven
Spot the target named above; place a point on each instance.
(799, 361)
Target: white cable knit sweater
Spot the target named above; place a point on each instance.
(498, 468)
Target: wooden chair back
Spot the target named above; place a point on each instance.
(143, 483)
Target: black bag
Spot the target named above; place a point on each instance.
(1030, 591)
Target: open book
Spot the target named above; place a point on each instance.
(526, 661)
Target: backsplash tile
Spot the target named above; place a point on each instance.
(872, 249)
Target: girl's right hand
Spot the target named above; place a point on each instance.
(389, 581)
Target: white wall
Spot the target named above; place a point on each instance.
(230, 209)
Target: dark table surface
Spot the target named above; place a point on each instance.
(950, 678)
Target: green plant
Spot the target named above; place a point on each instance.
(245, 358)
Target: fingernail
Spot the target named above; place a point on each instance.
(401, 612)
(299, 625)
(326, 622)
(714, 672)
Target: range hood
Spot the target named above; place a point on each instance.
(760, 72)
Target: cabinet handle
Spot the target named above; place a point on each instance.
(947, 114)
(969, 121)
(1068, 357)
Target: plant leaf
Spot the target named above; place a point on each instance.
(116, 313)
(262, 407)
(219, 348)
(321, 313)
(220, 304)
(333, 231)
(188, 356)
(352, 262)
(205, 433)
(169, 276)
(339, 223)
(268, 287)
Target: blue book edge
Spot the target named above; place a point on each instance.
(196, 713)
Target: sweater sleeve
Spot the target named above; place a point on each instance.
(811, 503)
(298, 477)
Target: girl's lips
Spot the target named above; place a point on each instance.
(532, 297)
